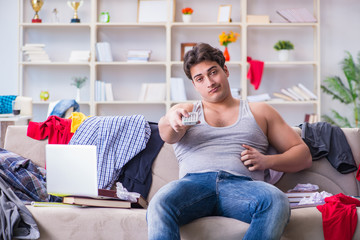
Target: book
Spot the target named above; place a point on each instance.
(300, 194)
(177, 89)
(106, 198)
(296, 15)
(287, 93)
(109, 96)
(152, 92)
(283, 96)
(100, 91)
(308, 92)
(103, 52)
(141, 201)
(299, 97)
(95, 202)
(301, 93)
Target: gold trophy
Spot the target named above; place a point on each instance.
(75, 5)
(36, 5)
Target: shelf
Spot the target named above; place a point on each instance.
(129, 63)
(45, 25)
(230, 63)
(275, 102)
(164, 39)
(131, 25)
(269, 63)
(55, 63)
(47, 102)
(282, 24)
(132, 102)
(206, 24)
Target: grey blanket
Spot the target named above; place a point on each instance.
(16, 220)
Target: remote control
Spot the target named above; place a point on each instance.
(192, 119)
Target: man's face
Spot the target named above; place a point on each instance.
(211, 81)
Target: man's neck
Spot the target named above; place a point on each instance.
(224, 104)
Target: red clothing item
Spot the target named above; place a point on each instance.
(55, 128)
(255, 72)
(339, 217)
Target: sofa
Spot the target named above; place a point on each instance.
(130, 224)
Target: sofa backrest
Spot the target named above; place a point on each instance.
(18, 142)
(165, 167)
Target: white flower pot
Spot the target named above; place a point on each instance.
(283, 55)
(186, 18)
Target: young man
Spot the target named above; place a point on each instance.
(221, 156)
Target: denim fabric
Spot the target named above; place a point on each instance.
(63, 105)
(197, 195)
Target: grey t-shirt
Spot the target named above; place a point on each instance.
(204, 148)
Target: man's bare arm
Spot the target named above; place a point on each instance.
(294, 155)
(171, 128)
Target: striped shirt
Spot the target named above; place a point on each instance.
(117, 138)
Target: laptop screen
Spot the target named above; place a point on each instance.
(71, 170)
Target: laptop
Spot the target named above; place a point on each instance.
(71, 170)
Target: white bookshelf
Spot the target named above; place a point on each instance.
(164, 39)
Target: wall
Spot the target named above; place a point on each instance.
(338, 34)
(8, 47)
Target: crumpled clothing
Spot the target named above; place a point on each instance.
(255, 72)
(63, 105)
(16, 220)
(315, 198)
(339, 217)
(305, 187)
(55, 128)
(76, 119)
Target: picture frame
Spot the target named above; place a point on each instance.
(224, 14)
(155, 11)
(184, 48)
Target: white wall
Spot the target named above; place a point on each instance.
(339, 33)
(8, 47)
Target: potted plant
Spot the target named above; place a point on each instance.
(348, 95)
(78, 82)
(187, 14)
(225, 39)
(283, 47)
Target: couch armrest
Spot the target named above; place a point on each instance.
(18, 142)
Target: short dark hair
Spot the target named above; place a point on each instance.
(202, 52)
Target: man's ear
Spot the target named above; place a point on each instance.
(226, 71)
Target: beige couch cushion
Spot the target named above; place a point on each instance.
(16, 141)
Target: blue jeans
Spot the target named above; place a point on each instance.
(197, 195)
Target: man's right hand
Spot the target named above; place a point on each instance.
(175, 119)
(171, 127)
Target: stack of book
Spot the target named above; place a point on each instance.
(103, 91)
(138, 55)
(296, 93)
(106, 198)
(297, 15)
(35, 52)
